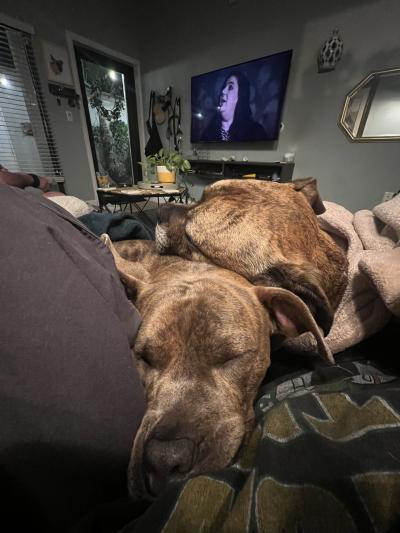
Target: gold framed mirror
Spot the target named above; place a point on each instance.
(371, 111)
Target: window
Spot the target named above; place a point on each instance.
(26, 140)
(109, 100)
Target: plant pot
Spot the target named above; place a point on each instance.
(164, 175)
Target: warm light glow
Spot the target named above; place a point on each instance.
(4, 81)
(112, 74)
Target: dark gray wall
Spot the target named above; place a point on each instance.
(111, 24)
(189, 38)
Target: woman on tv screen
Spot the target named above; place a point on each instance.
(240, 103)
(233, 119)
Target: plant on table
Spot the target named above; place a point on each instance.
(173, 161)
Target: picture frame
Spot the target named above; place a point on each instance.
(57, 64)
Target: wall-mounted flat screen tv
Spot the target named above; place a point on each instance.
(241, 103)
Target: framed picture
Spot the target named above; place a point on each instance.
(57, 64)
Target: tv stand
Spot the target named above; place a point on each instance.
(216, 170)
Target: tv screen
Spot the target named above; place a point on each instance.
(240, 103)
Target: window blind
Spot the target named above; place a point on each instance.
(26, 140)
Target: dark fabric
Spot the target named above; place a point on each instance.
(119, 226)
(70, 397)
(154, 143)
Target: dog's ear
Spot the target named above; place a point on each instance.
(133, 275)
(290, 317)
(308, 187)
(302, 280)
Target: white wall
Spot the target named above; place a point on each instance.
(190, 38)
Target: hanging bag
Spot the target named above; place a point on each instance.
(154, 143)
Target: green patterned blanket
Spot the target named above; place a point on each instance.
(324, 457)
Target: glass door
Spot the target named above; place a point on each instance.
(109, 99)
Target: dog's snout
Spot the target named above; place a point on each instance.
(166, 460)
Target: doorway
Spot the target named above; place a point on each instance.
(109, 100)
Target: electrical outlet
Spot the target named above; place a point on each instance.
(387, 196)
(70, 117)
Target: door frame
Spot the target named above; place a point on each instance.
(75, 39)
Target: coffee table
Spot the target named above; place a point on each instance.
(128, 196)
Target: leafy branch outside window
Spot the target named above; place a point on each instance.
(111, 135)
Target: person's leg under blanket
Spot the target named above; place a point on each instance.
(70, 398)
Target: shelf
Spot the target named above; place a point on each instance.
(270, 171)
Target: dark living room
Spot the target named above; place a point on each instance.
(200, 268)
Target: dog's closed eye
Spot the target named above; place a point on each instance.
(229, 359)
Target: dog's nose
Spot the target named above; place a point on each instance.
(165, 460)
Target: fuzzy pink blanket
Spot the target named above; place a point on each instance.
(372, 242)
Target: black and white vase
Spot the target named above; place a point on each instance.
(330, 53)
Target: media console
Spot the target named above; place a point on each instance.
(216, 170)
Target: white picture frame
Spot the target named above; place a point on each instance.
(57, 64)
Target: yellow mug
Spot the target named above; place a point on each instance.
(103, 181)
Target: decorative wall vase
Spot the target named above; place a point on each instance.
(330, 53)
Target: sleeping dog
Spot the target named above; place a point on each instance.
(267, 232)
(202, 349)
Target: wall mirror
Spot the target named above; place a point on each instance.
(371, 111)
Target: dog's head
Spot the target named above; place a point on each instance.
(201, 351)
(265, 231)
(232, 214)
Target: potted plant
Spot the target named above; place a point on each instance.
(168, 164)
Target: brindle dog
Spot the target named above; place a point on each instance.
(202, 349)
(265, 231)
